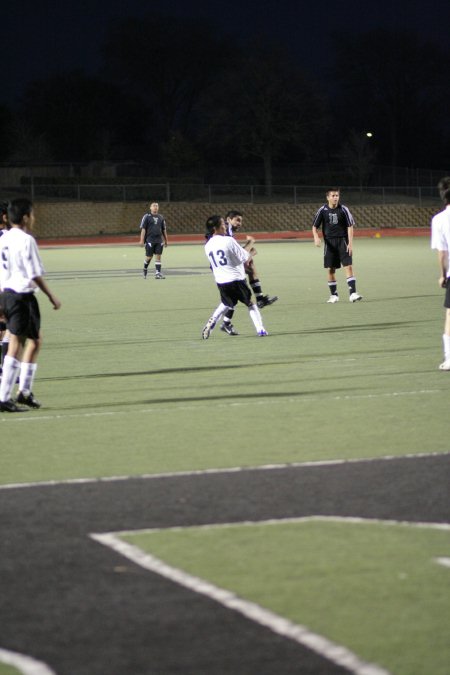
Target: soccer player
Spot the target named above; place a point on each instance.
(233, 222)
(337, 231)
(4, 337)
(227, 258)
(440, 240)
(154, 238)
(21, 274)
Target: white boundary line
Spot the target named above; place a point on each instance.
(25, 664)
(297, 632)
(234, 469)
(14, 419)
(335, 653)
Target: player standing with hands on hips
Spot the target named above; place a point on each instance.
(337, 230)
(154, 238)
(21, 275)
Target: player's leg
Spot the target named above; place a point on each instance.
(255, 284)
(332, 285)
(11, 368)
(227, 325)
(147, 259)
(445, 365)
(158, 254)
(351, 283)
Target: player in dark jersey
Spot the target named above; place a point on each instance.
(154, 238)
(337, 224)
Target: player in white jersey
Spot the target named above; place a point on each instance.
(227, 258)
(21, 275)
(440, 240)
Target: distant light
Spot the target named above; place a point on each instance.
(369, 134)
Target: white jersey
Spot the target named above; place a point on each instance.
(440, 231)
(20, 262)
(226, 258)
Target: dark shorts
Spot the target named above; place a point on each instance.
(335, 253)
(447, 294)
(22, 313)
(153, 249)
(234, 292)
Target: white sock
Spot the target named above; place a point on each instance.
(27, 373)
(446, 341)
(10, 368)
(219, 312)
(255, 316)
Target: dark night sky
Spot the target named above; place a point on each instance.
(41, 38)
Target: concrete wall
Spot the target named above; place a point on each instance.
(74, 219)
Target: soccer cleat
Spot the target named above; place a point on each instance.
(266, 300)
(10, 406)
(158, 275)
(228, 328)
(445, 365)
(262, 333)
(208, 328)
(354, 297)
(28, 400)
(333, 298)
(144, 272)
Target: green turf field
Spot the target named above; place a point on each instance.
(129, 387)
(373, 587)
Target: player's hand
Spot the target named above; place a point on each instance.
(443, 282)
(55, 302)
(317, 242)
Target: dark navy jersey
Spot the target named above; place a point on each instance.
(154, 226)
(334, 222)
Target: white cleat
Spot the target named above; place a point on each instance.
(354, 297)
(208, 328)
(333, 298)
(445, 365)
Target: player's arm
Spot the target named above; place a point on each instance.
(164, 234)
(350, 239)
(443, 265)
(42, 284)
(143, 231)
(317, 239)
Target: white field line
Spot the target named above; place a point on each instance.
(301, 634)
(30, 418)
(443, 561)
(213, 472)
(24, 664)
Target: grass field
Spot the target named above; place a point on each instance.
(130, 389)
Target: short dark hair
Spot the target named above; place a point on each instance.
(333, 189)
(212, 224)
(233, 213)
(18, 209)
(444, 187)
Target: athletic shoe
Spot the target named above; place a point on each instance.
(262, 333)
(228, 328)
(266, 300)
(208, 328)
(144, 272)
(445, 365)
(10, 406)
(354, 297)
(29, 400)
(333, 298)
(158, 275)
